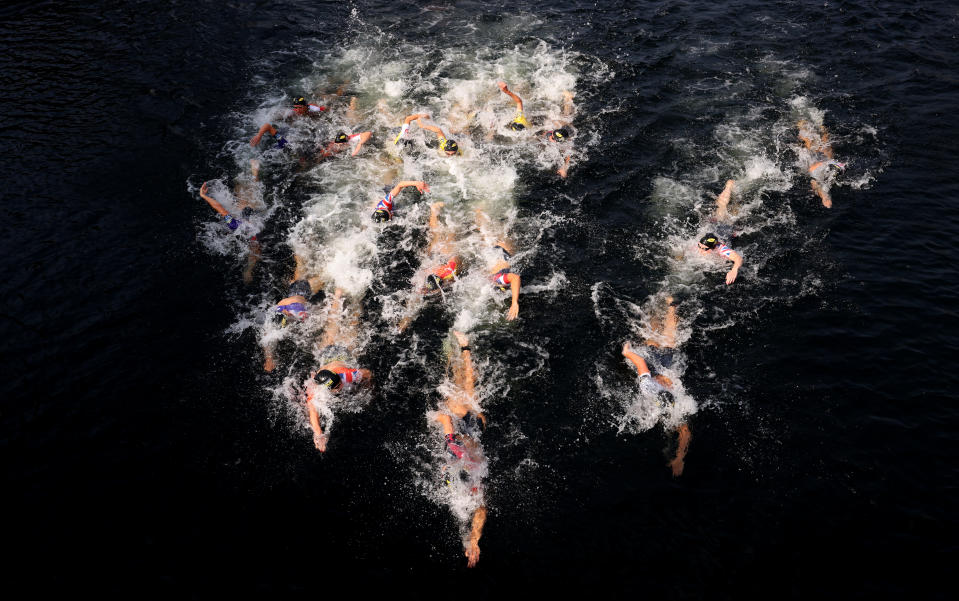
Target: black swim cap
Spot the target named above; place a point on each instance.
(381, 215)
(299, 101)
(279, 318)
(560, 134)
(433, 282)
(516, 126)
(341, 138)
(709, 241)
(451, 146)
(327, 378)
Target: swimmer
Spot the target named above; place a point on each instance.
(343, 141)
(335, 375)
(446, 146)
(519, 122)
(383, 211)
(463, 423)
(710, 244)
(249, 206)
(295, 307)
(446, 264)
(301, 109)
(501, 273)
(824, 167)
(661, 348)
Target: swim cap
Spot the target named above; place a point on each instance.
(299, 101)
(451, 146)
(709, 241)
(279, 318)
(432, 282)
(381, 215)
(327, 378)
(560, 134)
(341, 138)
(516, 126)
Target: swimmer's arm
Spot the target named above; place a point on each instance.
(737, 260)
(684, 437)
(446, 422)
(364, 138)
(564, 170)
(514, 284)
(266, 127)
(519, 101)
(319, 439)
(436, 130)
(367, 376)
(419, 185)
(635, 359)
(212, 202)
(476, 531)
(414, 117)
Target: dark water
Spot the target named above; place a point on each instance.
(143, 452)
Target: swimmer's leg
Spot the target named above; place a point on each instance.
(255, 169)
(822, 193)
(331, 333)
(251, 260)
(685, 436)
(567, 103)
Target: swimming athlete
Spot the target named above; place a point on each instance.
(463, 422)
(519, 122)
(384, 208)
(446, 264)
(661, 348)
(824, 167)
(335, 375)
(710, 244)
(343, 141)
(295, 308)
(447, 146)
(501, 273)
(249, 204)
(301, 109)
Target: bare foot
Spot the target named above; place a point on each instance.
(461, 338)
(268, 364)
(677, 467)
(472, 554)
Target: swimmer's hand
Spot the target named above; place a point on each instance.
(627, 349)
(203, 189)
(472, 554)
(677, 466)
(422, 187)
(502, 85)
(319, 441)
(513, 312)
(731, 276)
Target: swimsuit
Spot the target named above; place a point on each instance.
(499, 278)
(663, 356)
(241, 227)
(298, 310)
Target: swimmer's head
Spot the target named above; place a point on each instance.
(451, 148)
(341, 138)
(433, 282)
(516, 126)
(382, 215)
(559, 135)
(328, 379)
(279, 318)
(708, 242)
(664, 398)
(300, 106)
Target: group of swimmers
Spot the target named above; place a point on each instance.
(459, 416)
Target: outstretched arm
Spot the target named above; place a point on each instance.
(519, 101)
(212, 201)
(635, 359)
(414, 117)
(476, 531)
(436, 130)
(266, 127)
(684, 437)
(737, 260)
(319, 438)
(364, 138)
(514, 284)
(419, 185)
